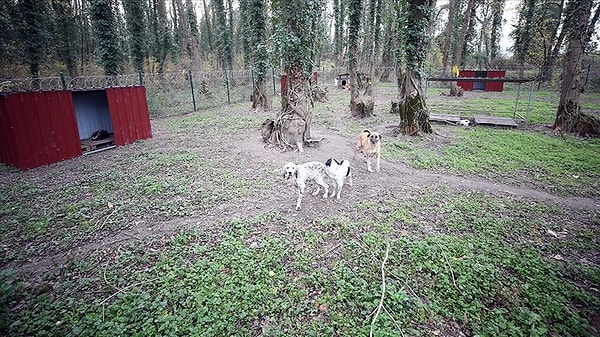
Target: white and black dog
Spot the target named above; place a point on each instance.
(339, 172)
(300, 174)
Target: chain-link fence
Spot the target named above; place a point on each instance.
(185, 91)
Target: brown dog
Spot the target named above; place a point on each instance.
(370, 144)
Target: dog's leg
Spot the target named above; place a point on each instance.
(321, 182)
(335, 187)
(317, 190)
(378, 164)
(300, 147)
(369, 168)
(301, 187)
(339, 184)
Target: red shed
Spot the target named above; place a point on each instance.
(496, 85)
(466, 85)
(45, 127)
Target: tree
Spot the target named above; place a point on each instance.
(162, 41)
(339, 15)
(33, 32)
(194, 34)
(66, 34)
(448, 39)
(569, 117)
(8, 35)
(255, 36)
(360, 105)
(294, 42)
(548, 24)
(135, 16)
(414, 116)
(107, 38)
(224, 39)
(389, 40)
(523, 34)
(496, 29)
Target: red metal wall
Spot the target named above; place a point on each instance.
(466, 85)
(495, 86)
(37, 128)
(129, 113)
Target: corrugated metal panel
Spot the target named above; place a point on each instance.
(64, 140)
(495, 86)
(129, 113)
(91, 111)
(8, 153)
(43, 128)
(466, 85)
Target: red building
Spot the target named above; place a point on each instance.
(483, 85)
(44, 127)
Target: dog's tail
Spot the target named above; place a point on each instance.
(367, 131)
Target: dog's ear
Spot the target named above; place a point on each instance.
(348, 172)
(328, 162)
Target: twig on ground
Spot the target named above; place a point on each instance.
(387, 253)
(330, 250)
(451, 271)
(393, 320)
(105, 219)
(123, 290)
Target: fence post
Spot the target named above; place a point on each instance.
(253, 84)
(141, 77)
(62, 81)
(192, 87)
(273, 77)
(227, 87)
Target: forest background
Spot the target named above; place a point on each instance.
(110, 37)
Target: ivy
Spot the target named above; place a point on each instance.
(295, 36)
(104, 24)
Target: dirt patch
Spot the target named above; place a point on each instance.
(252, 156)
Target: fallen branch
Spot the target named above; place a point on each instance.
(451, 271)
(387, 253)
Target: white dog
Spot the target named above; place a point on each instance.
(302, 173)
(339, 172)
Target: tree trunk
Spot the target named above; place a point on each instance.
(463, 34)
(291, 127)
(260, 99)
(448, 39)
(359, 107)
(414, 116)
(569, 117)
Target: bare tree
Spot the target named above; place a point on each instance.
(569, 116)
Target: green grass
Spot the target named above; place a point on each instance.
(567, 165)
(484, 264)
(491, 276)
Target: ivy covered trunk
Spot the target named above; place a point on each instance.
(260, 99)
(291, 127)
(569, 117)
(361, 105)
(414, 117)
(295, 37)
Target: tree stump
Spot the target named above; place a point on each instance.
(455, 90)
(395, 109)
